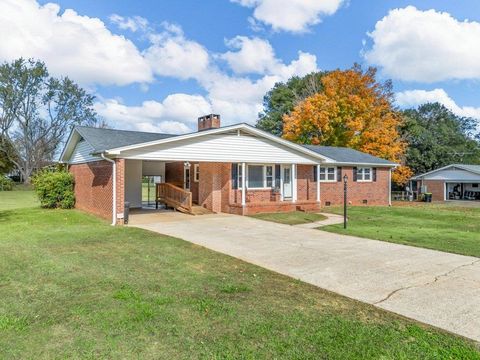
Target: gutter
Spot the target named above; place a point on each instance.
(114, 185)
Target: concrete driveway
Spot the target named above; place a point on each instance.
(433, 287)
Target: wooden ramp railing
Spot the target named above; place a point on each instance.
(174, 196)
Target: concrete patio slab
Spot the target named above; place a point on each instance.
(437, 288)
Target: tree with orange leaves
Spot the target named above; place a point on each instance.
(355, 111)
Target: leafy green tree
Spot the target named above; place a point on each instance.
(283, 97)
(437, 137)
(6, 164)
(36, 113)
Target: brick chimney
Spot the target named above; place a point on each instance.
(210, 121)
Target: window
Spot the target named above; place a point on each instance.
(196, 172)
(258, 176)
(364, 174)
(269, 175)
(239, 176)
(328, 174)
(255, 176)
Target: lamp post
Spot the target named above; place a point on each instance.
(345, 179)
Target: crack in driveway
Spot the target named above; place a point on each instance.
(390, 294)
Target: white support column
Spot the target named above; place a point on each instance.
(244, 190)
(281, 183)
(318, 183)
(294, 182)
(390, 187)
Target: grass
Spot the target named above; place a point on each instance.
(17, 199)
(291, 218)
(71, 286)
(432, 226)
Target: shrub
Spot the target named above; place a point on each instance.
(6, 184)
(54, 188)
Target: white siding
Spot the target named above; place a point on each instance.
(453, 174)
(81, 153)
(222, 148)
(133, 182)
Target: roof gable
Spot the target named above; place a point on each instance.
(474, 169)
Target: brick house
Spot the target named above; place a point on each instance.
(452, 182)
(236, 169)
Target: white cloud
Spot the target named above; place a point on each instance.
(291, 15)
(254, 55)
(414, 98)
(425, 46)
(175, 114)
(134, 23)
(171, 54)
(70, 44)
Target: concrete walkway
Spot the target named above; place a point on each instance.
(433, 287)
(331, 219)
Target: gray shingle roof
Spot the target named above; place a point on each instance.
(104, 139)
(347, 155)
(473, 168)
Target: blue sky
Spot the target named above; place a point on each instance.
(158, 65)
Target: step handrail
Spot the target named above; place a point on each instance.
(174, 196)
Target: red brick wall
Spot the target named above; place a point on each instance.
(174, 173)
(306, 187)
(375, 192)
(214, 186)
(93, 187)
(436, 187)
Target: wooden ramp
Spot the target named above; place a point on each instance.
(178, 198)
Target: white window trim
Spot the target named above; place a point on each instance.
(196, 172)
(326, 173)
(362, 179)
(264, 171)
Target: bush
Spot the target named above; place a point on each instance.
(6, 184)
(54, 188)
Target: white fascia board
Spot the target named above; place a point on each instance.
(69, 145)
(245, 127)
(339, 163)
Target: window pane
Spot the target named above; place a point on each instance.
(255, 176)
(360, 174)
(269, 170)
(366, 174)
(322, 176)
(239, 172)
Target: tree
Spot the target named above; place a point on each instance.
(6, 165)
(352, 110)
(37, 111)
(437, 137)
(282, 99)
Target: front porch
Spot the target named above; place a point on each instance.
(221, 187)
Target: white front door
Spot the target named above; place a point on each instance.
(287, 181)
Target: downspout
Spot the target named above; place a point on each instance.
(114, 187)
(390, 187)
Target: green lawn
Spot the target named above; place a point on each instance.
(17, 199)
(71, 286)
(440, 227)
(290, 218)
